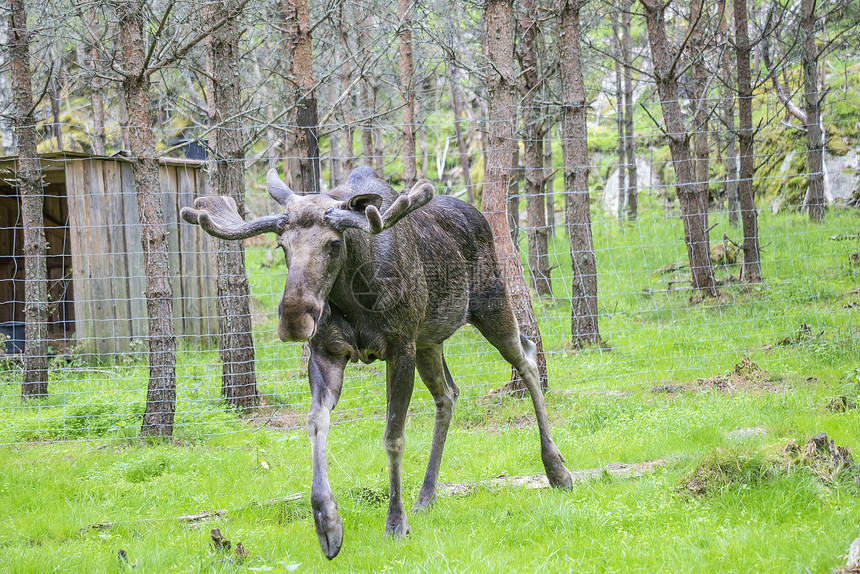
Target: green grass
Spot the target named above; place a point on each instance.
(72, 460)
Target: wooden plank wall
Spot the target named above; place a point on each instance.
(107, 257)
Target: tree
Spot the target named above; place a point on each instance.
(751, 268)
(814, 201)
(407, 89)
(498, 167)
(29, 177)
(452, 70)
(699, 18)
(161, 392)
(620, 109)
(728, 101)
(138, 62)
(343, 33)
(584, 329)
(533, 139)
(96, 95)
(694, 205)
(227, 177)
(304, 139)
(629, 142)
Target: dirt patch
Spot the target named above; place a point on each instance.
(723, 468)
(370, 496)
(804, 334)
(667, 389)
(840, 404)
(822, 457)
(612, 470)
(275, 418)
(746, 376)
(522, 421)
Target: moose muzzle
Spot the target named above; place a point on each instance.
(297, 319)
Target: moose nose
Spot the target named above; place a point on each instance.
(297, 320)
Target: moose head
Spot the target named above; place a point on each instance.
(310, 230)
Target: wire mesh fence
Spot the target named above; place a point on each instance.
(658, 331)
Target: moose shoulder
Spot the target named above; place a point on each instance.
(374, 274)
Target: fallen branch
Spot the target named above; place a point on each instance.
(200, 516)
(613, 469)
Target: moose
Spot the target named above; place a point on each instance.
(378, 275)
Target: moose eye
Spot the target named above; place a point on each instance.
(335, 246)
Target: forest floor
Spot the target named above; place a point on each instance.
(690, 437)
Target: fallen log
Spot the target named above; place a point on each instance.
(613, 469)
(199, 516)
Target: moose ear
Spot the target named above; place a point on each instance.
(360, 202)
(350, 212)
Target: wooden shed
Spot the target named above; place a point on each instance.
(95, 258)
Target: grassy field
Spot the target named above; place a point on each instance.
(719, 503)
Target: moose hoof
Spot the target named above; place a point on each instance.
(329, 530)
(560, 478)
(424, 501)
(556, 472)
(396, 524)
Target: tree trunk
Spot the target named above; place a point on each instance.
(693, 204)
(296, 35)
(699, 77)
(728, 111)
(620, 124)
(629, 142)
(584, 329)
(348, 151)
(458, 130)
(498, 20)
(227, 177)
(7, 134)
(548, 183)
(418, 95)
(124, 136)
(368, 107)
(513, 194)
(335, 155)
(378, 140)
(54, 97)
(814, 201)
(96, 95)
(161, 392)
(534, 135)
(751, 268)
(483, 123)
(29, 176)
(407, 91)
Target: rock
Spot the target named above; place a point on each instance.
(745, 433)
(646, 180)
(854, 554)
(843, 174)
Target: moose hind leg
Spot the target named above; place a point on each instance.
(326, 380)
(502, 332)
(400, 379)
(434, 372)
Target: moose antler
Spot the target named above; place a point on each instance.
(218, 216)
(373, 222)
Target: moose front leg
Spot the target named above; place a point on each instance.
(326, 379)
(400, 378)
